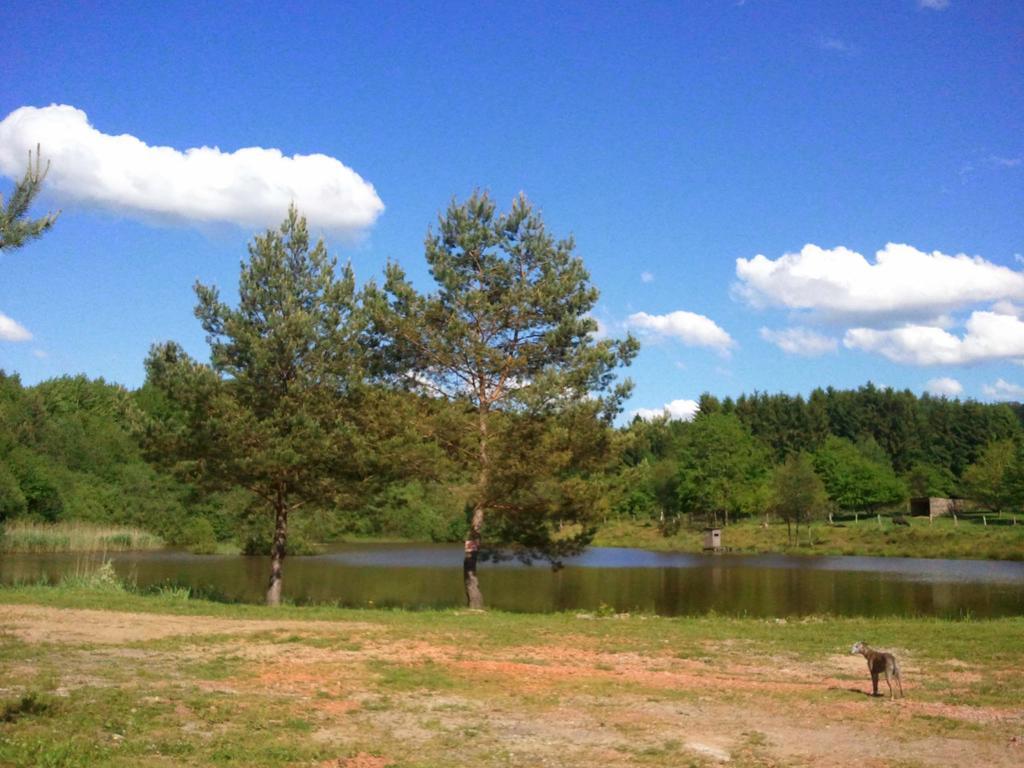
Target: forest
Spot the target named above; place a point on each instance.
(75, 449)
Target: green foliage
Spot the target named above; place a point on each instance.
(989, 481)
(854, 476)
(199, 537)
(415, 510)
(25, 536)
(37, 478)
(271, 413)
(722, 468)
(12, 500)
(16, 228)
(95, 577)
(508, 337)
(924, 480)
(797, 493)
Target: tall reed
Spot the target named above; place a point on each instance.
(22, 536)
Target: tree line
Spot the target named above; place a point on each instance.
(837, 450)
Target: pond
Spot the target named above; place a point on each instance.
(669, 584)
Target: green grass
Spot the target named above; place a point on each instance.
(943, 538)
(22, 536)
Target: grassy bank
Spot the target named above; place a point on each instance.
(95, 677)
(969, 537)
(21, 536)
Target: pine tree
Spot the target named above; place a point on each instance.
(15, 228)
(269, 412)
(507, 334)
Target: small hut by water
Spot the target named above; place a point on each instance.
(712, 539)
(932, 506)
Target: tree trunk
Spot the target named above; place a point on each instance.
(277, 550)
(474, 597)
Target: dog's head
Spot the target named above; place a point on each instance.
(858, 648)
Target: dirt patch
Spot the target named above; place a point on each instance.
(362, 760)
(38, 624)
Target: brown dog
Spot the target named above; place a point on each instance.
(880, 663)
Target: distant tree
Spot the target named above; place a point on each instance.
(722, 468)
(988, 481)
(269, 412)
(708, 404)
(508, 336)
(797, 493)
(857, 477)
(12, 500)
(16, 228)
(925, 480)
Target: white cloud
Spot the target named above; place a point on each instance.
(646, 277)
(250, 187)
(1004, 162)
(903, 282)
(989, 336)
(677, 410)
(945, 386)
(40, 353)
(800, 341)
(1004, 390)
(935, 5)
(10, 330)
(835, 44)
(688, 327)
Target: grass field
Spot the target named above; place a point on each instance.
(969, 537)
(75, 536)
(104, 677)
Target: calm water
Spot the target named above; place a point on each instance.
(627, 579)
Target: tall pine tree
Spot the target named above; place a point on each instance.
(508, 335)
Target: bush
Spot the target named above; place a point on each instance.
(199, 537)
(12, 500)
(101, 578)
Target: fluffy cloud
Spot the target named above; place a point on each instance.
(988, 336)
(944, 386)
(902, 282)
(250, 187)
(647, 277)
(10, 330)
(688, 327)
(1004, 390)
(800, 341)
(677, 410)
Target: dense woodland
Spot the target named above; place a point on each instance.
(76, 449)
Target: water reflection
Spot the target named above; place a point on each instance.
(669, 584)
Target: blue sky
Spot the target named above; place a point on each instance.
(672, 139)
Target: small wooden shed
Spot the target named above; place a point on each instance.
(713, 539)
